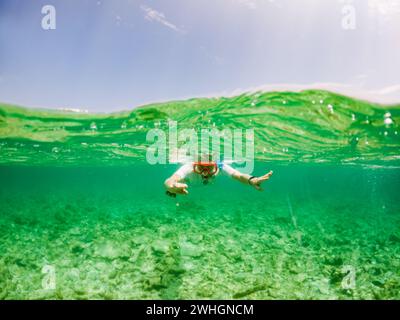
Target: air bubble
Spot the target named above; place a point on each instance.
(388, 121)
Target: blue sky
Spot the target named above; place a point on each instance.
(118, 54)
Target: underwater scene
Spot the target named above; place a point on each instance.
(83, 215)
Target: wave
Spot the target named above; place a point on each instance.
(311, 126)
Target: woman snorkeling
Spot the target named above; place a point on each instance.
(205, 171)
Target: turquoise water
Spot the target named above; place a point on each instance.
(83, 216)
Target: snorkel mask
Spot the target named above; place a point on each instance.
(205, 169)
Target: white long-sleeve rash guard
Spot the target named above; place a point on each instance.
(187, 174)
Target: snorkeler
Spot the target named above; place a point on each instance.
(207, 171)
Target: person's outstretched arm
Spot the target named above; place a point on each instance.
(246, 178)
(174, 184)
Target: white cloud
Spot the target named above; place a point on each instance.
(389, 90)
(251, 4)
(255, 4)
(361, 76)
(154, 15)
(384, 7)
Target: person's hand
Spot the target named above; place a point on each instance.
(178, 188)
(256, 182)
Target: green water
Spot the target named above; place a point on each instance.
(78, 197)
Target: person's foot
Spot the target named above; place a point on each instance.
(256, 182)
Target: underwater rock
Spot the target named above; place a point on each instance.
(45, 295)
(137, 255)
(394, 238)
(250, 291)
(282, 220)
(6, 284)
(206, 291)
(109, 250)
(81, 292)
(161, 246)
(154, 283)
(196, 238)
(379, 283)
(335, 276)
(334, 261)
(177, 270)
(147, 267)
(188, 266)
(75, 231)
(188, 249)
(113, 274)
(322, 285)
(73, 274)
(77, 249)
